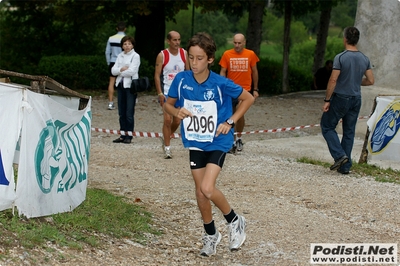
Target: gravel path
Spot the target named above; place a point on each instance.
(288, 205)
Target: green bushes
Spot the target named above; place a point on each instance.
(91, 73)
(302, 54)
(83, 72)
(270, 77)
(76, 72)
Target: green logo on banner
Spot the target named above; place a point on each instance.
(62, 154)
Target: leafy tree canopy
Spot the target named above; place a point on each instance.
(202, 22)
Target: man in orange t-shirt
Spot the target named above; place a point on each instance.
(240, 65)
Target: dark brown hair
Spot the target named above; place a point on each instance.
(205, 42)
(128, 38)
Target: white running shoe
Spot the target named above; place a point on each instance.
(237, 234)
(167, 153)
(210, 243)
(111, 106)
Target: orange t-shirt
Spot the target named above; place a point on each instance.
(239, 66)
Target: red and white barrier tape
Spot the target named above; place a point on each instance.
(129, 133)
(275, 130)
(176, 135)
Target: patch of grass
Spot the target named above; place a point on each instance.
(380, 175)
(101, 215)
(335, 32)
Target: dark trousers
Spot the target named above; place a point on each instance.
(346, 108)
(126, 109)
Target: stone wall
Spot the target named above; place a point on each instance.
(379, 25)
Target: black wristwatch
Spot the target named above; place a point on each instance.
(230, 122)
(327, 101)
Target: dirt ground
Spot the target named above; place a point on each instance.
(287, 205)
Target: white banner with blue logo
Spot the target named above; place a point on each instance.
(54, 156)
(384, 127)
(10, 125)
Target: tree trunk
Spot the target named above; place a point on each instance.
(150, 33)
(254, 25)
(286, 46)
(320, 47)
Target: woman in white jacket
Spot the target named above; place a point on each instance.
(126, 68)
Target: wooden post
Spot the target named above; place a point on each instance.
(35, 85)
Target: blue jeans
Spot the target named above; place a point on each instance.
(346, 108)
(126, 109)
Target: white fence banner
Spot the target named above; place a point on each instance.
(384, 125)
(10, 126)
(54, 155)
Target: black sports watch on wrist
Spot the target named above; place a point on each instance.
(327, 101)
(230, 122)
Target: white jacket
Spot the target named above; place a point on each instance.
(133, 60)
